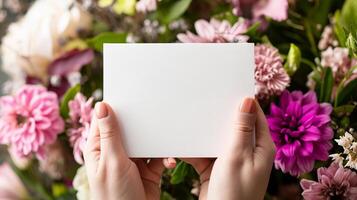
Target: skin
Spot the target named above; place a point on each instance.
(241, 172)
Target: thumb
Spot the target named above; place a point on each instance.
(242, 141)
(109, 132)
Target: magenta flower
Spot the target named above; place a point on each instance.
(216, 32)
(255, 9)
(270, 75)
(30, 120)
(334, 182)
(300, 130)
(80, 118)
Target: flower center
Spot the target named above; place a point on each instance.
(20, 119)
(336, 192)
(290, 129)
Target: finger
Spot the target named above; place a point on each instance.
(156, 166)
(91, 151)
(169, 163)
(265, 148)
(242, 141)
(109, 131)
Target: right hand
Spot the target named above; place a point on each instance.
(243, 170)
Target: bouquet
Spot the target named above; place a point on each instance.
(305, 80)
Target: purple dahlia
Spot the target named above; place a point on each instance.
(300, 130)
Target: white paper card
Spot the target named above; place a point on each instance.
(177, 100)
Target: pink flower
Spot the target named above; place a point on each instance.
(338, 59)
(216, 31)
(11, 187)
(301, 131)
(327, 38)
(270, 75)
(30, 120)
(255, 9)
(334, 182)
(80, 118)
(146, 5)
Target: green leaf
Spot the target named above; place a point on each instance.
(107, 37)
(179, 173)
(351, 43)
(349, 16)
(342, 84)
(252, 30)
(166, 196)
(326, 85)
(68, 96)
(338, 30)
(293, 60)
(172, 10)
(346, 93)
(345, 109)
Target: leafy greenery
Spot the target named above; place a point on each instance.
(68, 96)
(107, 37)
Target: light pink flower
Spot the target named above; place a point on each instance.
(270, 75)
(80, 118)
(215, 32)
(30, 120)
(11, 187)
(255, 9)
(146, 6)
(338, 59)
(334, 182)
(328, 38)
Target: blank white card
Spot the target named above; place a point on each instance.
(177, 100)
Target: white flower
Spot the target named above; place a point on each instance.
(36, 39)
(351, 161)
(345, 141)
(337, 158)
(349, 154)
(80, 183)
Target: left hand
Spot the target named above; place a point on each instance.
(111, 174)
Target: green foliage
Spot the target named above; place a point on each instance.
(338, 30)
(326, 85)
(107, 37)
(68, 96)
(180, 172)
(347, 93)
(349, 17)
(169, 11)
(293, 60)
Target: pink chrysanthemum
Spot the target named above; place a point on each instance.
(30, 120)
(80, 118)
(146, 5)
(334, 182)
(216, 32)
(255, 9)
(270, 75)
(300, 130)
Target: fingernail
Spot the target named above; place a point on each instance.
(101, 110)
(248, 106)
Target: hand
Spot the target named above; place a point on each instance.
(243, 171)
(111, 174)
